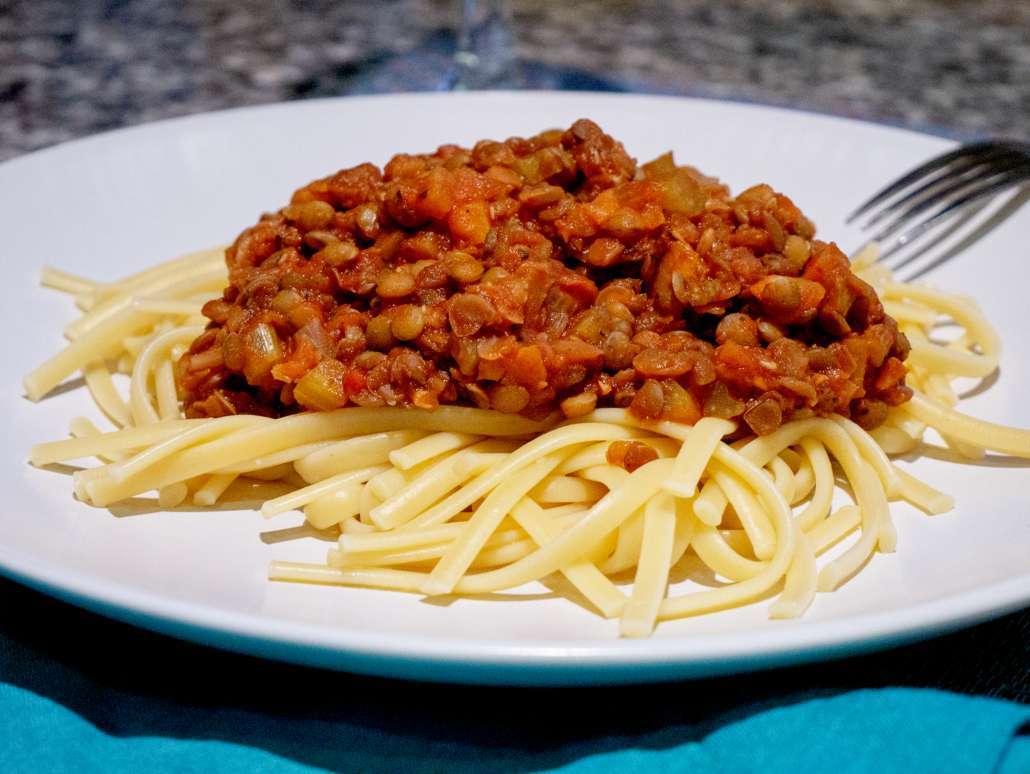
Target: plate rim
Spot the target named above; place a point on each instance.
(563, 661)
(485, 94)
(933, 616)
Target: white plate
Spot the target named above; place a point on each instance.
(116, 203)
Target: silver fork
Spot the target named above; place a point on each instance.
(942, 188)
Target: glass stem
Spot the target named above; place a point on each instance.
(485, 58)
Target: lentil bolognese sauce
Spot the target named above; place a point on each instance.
(535, 274)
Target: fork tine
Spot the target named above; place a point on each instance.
(992, 161)
(908, 178)
(943, 195)
(1012, 178)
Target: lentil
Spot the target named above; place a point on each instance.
(540, 274)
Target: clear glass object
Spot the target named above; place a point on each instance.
(480, 54)
(485, 57)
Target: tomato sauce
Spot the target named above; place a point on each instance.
(543, 274)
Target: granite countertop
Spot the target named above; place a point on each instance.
(959, 67)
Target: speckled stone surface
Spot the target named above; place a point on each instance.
(69, 69)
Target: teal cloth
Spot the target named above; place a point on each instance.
(885, 730)
(80, 693)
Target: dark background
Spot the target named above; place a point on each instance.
(69, 69)
(73, 68)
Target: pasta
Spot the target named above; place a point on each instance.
(462, 500)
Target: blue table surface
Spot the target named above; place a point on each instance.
(132, 683)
